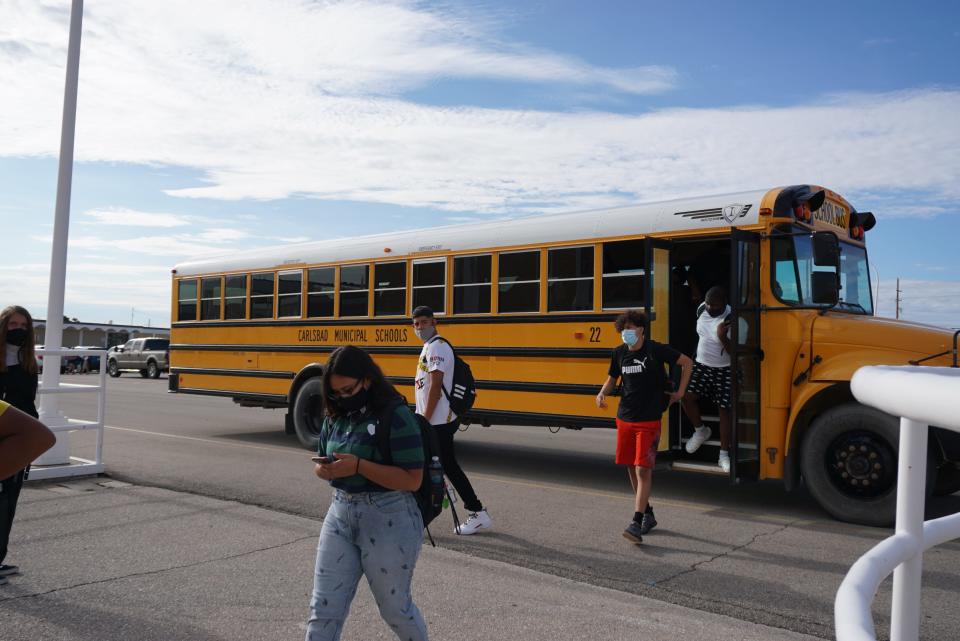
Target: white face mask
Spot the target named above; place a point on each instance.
(425, 333)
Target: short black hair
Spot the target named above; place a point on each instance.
(716, 292)
(634, 316)
(423, 310)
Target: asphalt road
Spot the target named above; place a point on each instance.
(752, 552)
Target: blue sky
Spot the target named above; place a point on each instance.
(222, 126)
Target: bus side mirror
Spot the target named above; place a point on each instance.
(826, 249)
(826, 288)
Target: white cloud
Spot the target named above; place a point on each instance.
(936, 302)
(131, 218)
(273, 99)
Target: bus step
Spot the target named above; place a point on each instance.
(698, 466)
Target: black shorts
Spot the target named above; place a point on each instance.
(712, 383)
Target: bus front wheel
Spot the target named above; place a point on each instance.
(308, 412)
(849, 463)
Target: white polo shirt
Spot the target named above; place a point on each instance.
(435, 355)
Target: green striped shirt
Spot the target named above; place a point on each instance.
(355, 434)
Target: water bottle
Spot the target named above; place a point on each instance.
(435, 470)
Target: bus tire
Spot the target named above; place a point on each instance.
(308, 412)
(948, 479)
(112, 369)
(849, 463)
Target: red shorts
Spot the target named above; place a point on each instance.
(637, 443)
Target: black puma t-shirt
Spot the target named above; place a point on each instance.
(643, 397)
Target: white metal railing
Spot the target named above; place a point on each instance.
(75, 466)
(921, 396)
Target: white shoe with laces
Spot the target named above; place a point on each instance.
(475, 522)
(724, 461)
(700, 436)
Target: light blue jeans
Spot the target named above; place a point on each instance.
(376, 534)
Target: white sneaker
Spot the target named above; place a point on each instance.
(724, 461)
(475, 522)
(700, 435)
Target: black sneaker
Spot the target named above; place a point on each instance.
(649, 522)
(9, 570)
(633, 533)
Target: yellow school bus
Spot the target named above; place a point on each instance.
(530, 303)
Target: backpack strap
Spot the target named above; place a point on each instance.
(452, 349)
(382, 434)
(701, 309)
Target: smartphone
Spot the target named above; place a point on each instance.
(326, 460)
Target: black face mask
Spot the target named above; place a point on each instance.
(355, 402)
(17, 336)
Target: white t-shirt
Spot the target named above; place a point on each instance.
(710, 350)
(435, 355)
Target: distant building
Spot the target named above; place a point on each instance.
(99, 334)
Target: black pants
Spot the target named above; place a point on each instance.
(451, 468)
(8, 507)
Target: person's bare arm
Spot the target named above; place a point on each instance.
(388, 476)
(604, 391)
(22, 439)
(723, 333)
(686, 367)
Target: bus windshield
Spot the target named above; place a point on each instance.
(793, 265)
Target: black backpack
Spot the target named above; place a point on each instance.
(429, 498)
(464, 392)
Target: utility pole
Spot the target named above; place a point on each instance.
(898, 298)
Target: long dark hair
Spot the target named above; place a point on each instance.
(28, 360)
(353, 362)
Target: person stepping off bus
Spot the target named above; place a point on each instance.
(711, 373)
(434, 375)
(639, 364)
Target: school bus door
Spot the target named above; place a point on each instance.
(657, 306)
(746, 354)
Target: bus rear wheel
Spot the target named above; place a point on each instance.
(849, 463)
(948, 479)
(308, 412)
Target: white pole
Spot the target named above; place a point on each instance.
(49, 403)
(911, 486)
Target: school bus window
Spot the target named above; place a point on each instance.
(187, 300)
(429, 284)
(471, 284)
(354, 288)
(518, 284)
(623, 274)
(390, 288)
(320, 287)
(235, 297)
(855, 295)
(210, 298)
(289, 294)
(261, 295)
(570, 279)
